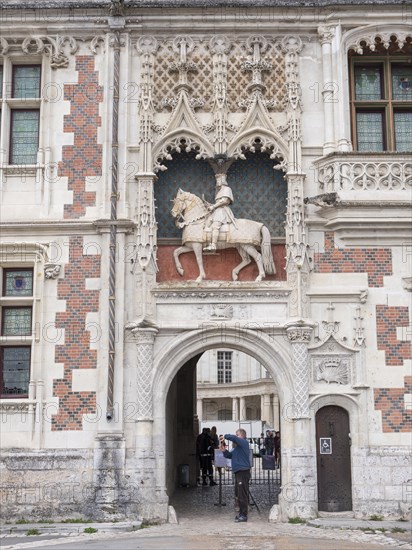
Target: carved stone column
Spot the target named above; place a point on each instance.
(326, 35)
(291, 46)
(299, 337)
(297, 258)
(145, 266)
(298, 496)
(146, 47)
(143, 460)
(220, 47)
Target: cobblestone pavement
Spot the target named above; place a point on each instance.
(203, 526)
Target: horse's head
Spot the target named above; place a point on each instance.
(179, 204)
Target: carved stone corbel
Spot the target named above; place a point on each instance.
(52, 271)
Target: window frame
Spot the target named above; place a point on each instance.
(12, 113)
(226, 369)
(16, 302)
(387, 104)
(26, 65)
(4, 395)
(8, 104)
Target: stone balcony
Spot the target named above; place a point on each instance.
(364, 198)
(364, 172)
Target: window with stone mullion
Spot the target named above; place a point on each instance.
(381, 98)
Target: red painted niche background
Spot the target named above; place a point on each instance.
(217, 267)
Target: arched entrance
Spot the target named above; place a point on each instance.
(233, 382)
(333, 459)
(175, 375)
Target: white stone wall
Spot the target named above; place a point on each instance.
(33, 211)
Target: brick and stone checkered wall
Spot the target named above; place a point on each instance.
(376, 262)
(83, 158)
(395, 418)
(388, 319)
(391, 400)
(75, 353)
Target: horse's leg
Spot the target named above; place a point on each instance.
(182, 250)
(257, 256)
(198, 250)
(245, 261)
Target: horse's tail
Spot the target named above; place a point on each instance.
(266, 248)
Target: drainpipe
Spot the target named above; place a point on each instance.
(113, 228)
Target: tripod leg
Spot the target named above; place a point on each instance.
(254, 501)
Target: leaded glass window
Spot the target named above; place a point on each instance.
(18, 282)
(16, 321)
(368, 82)
(24, 136)
(369, 131)
(224, 367)
(381, 100)
(403, 130)
(15, 370)
(26, 81)
(401, 82)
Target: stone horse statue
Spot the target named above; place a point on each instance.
(190, 212)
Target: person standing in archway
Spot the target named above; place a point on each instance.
(241, 468)
(205, 452)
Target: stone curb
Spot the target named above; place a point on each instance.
(358, 524)
(69, 528)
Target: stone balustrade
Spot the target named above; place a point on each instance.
(364, 172)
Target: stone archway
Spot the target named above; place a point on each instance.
(272, 353)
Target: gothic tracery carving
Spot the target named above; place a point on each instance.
(52, 46)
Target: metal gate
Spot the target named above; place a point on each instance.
(264, 483)
(333, 459)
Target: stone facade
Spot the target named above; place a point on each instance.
(113, 340)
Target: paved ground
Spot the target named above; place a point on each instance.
(204, 526)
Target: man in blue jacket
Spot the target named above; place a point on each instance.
(241, 468)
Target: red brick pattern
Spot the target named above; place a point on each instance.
(388, 318)
(84, 157)
(76, 352)
(217, 267)
(376, 262)
(391, 402)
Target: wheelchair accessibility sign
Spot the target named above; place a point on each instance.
(325, 445)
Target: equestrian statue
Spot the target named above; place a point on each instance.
(215, 226)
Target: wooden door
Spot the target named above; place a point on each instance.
(333, 459)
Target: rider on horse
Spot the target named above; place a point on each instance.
(220, 213)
